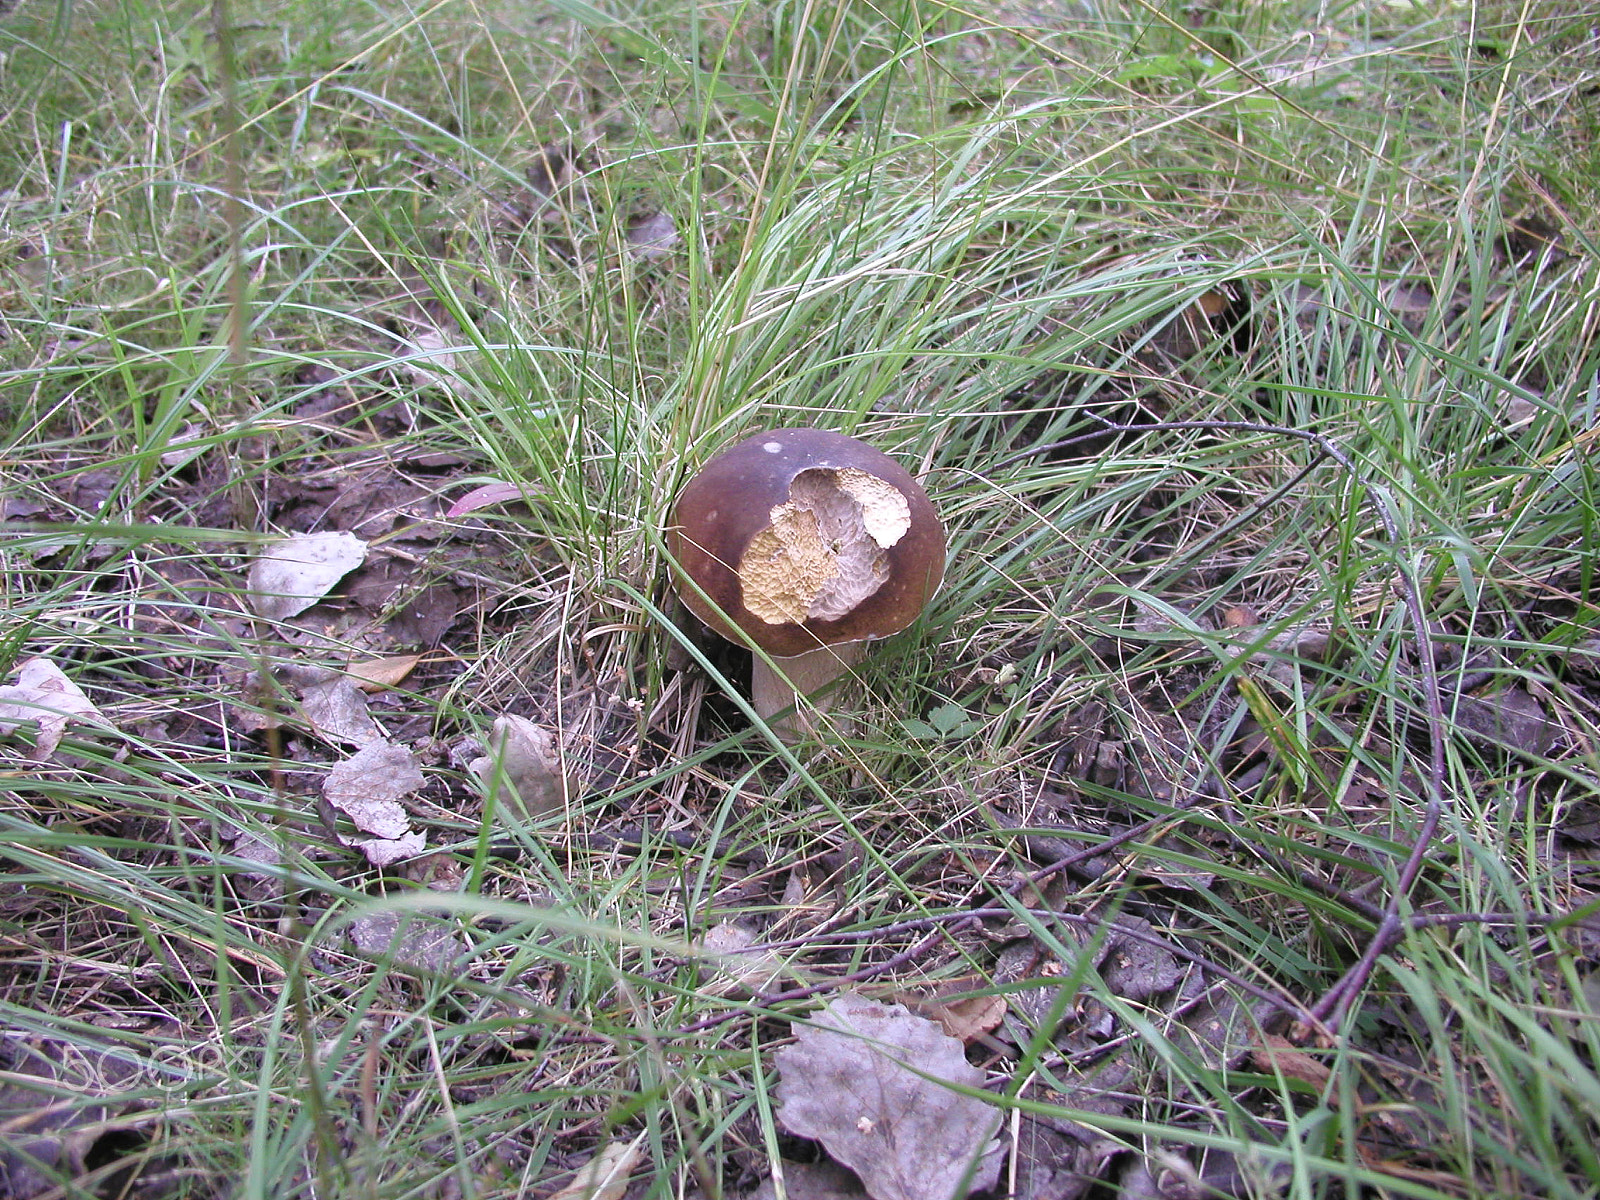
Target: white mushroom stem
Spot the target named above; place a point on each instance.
(786, 683)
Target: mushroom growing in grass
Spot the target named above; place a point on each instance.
(804, 544)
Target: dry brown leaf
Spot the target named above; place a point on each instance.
(523, 770)
(1239, 616)
(1134, 967)
(46, 699)
(1278, 1055)
(368, 787)
(338, 712)
(295, 573)
(369, 784)
(863, 1079)
(432, 355)
(385, 852)
(62, 1110)
(418, 940)
(743, 970)
(970, 1018)
(605, 1176)
(381, 674)
(812, 1181)
(652, 236)
(1511, 718)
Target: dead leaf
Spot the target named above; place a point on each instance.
(523, 771)
(385, 852)
(605, 1176)
(420, 940)
(1059, 1160)
(368, 786)
(338, 712)
(1511, 718)
(1168, 1174)
(265, 884)
(1135, 967)
(1278, 1055)
(488, 495)
(381, 674)
(969, 1018)
(728, 944)
(371, 502)
(43, 697)
(1239, 616)
(433, 357)
(1217, 1029)
(812, 1181)
(551, 177)
(652, 236)
(858, 1080)
(298, 571)
(60, 1106)
(425, 617)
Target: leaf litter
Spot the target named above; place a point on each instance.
(869, 1081)
(295, 573)
(1068, 833)
(1080, 828)
(45, 701)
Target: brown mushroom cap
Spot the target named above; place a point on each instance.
(806, 538)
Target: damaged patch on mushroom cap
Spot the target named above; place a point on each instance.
(826, 548)
(740, 519)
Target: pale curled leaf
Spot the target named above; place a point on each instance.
(295, 573)
(864, 1080)
(368, 787)
(743, 969)
(44, 697)
(523, 770)
(605, 1176)
(338, 712)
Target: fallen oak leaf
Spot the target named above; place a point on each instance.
(868, 1080)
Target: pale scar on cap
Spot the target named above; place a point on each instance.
(824, 550)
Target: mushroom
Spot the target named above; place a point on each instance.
(804, 544)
